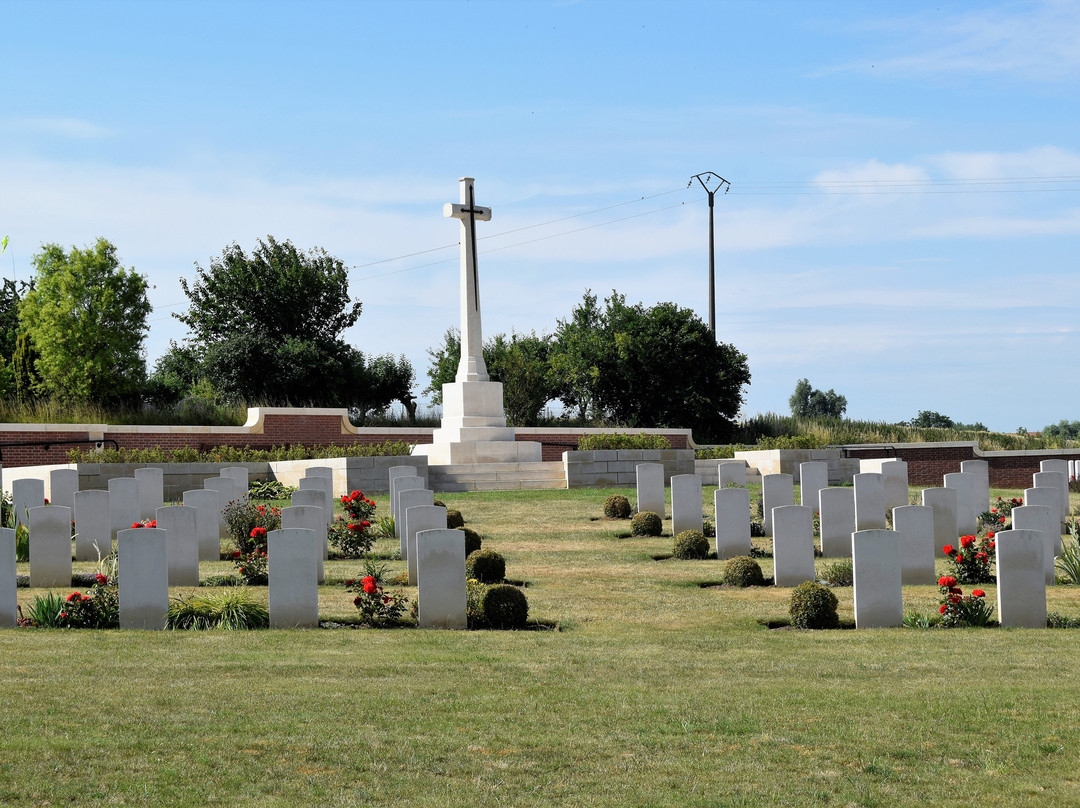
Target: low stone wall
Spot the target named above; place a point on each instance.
(786, 461)
(615, 467)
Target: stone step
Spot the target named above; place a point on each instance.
(496, 476)
(498, 485)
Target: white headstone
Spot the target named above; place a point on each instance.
(324, 484)
(813, 476)
(650, 488)
(687, 512)
(8, 592)
(151, 491)
(224, 487)
(967, 493)
(93, 525)
(63, 483)
(879, 599)
(869, 501)
(407, 499)
(207, 504)
(180, 523)
(240, 474)
(943, 501)
(402, 484)
(732, 522)
(1062, 467)
(143, 573)
(395, 473)
(981, 470)
(914, 528)
(322, 471)
(793, 544)
(440, 562)
(1047, 497)
(895, 475)
(836, 509)
(1055, 479)
(1045, 520)
(50, 546)
(731, 472)
(26, 493)
(123, 503)
(777, 491)
(308, 517)
(1021, 579)
(293, 558)
(417, 518)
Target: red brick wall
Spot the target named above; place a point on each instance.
(928, 464)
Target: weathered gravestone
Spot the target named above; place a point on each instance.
(687, 512)
(143, 576)
(1058, 481)
(777, 491)
(50, 546)
(440, 561)
(8, 592)
(731, 472)
(308, 517)
(123, 503)
(93, 525)
(1061, 467)
(967, 492)
(225, 488)
(793, 544)
(151, 491)
(407, 499)
(980, 469)
(836, 509)
(813, 476)
(879, 600)
(395, 473)
(402, 484)
(417, 518)
(26, 493)
(914, 528)
(943, 502)
(869, 501)
(895, 475)
(1043, 519)
(207, 505)
(180, 523)
(1021, 576)
(326, 486)
(732, 522)
(292, 559)
(240, 474)
(63, 483)
(1047, 497)
(650, 488)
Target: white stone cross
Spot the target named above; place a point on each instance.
(471, 367)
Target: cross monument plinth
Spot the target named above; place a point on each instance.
(474, 426)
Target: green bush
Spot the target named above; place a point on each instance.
(617, 507)
(616, 440)
(813, 606)
(646, 523)
(840, 573)
(486, 566)
(690, 545)
(743, 571)
(454, 519)
(473, 540)
(239, 454)
(505, 606)
(230, 609)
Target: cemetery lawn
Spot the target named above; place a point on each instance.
(653, 691)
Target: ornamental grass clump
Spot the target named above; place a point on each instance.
(960, 610)
(617, 507)
(646, 523)
(486, 566)
(813, 606)
(229, 610)
(743, 571)
(691, 545)
(971, 562)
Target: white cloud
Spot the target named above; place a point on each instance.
(68, 128)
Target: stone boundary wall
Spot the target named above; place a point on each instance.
(367, 474)
(265, 427)
(615, 467)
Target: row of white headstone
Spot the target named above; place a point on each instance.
(435, 555)
(853, 524)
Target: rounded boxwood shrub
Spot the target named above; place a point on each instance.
(646, 523)
(743, 571)
(505, 606)
(472, 540)
(691, 544)
(617, 507)
(486, 566)
(813, 606)
(454, 519)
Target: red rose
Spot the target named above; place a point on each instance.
(978, 593)
(236, 554)
(955, 590)
(993, 545)
(947, 580)
(959, 559)
(152, 523)
(258, 533)
(990, 534)
(993, 510)
(350, 581)
(357, 601)
(355, 528)
(101, 579)
(355, 495)
(73, 596)
(947, 549)
(967, 541)
(943, 608)
(954, 598)
(137, 524)
(941, 581)
(371, 588)
(46, 500)
(982, 557)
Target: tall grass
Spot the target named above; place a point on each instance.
(55, 411)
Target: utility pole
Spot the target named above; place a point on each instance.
(711, 182)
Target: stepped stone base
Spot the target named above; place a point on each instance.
(496, 476)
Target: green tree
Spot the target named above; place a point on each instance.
(86, 317)
(266, 327)
(575, 355)
(806, 402)
(1062, 430)
(929, 419)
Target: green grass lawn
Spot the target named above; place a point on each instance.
(653, 691)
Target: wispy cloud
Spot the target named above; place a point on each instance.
(67, 128)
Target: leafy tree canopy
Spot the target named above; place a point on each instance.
(1063, 430)
(806, 402)
(86, 317)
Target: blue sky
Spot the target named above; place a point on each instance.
(902, 225)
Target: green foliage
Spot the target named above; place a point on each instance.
(86, 317)
(454, 519)
(377, 608)
(486, 566)
(690, 545)
(384, 527)
(474, 602)
(743, 571)
(1068, 563)
(958, 610)
(931, 419)
(242, 516)
(1063, 430)
(23, 361)
(473, 540)
(576, 354)
(22, 543)
(915, 619)
(646, 523)
(46, 609)
(718, 452)
(269, 489)
(350, 539)
(806, 402)
(239, 454)
(971, 562)
(228, 609)
(617, 507)
(1058, 620)
(813, 606)
(839, 573)
(604, 441)
(505, 607)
